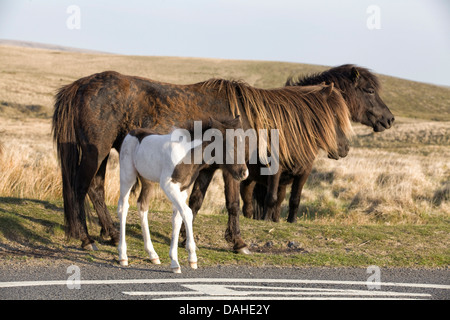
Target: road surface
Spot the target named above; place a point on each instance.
(105, 282)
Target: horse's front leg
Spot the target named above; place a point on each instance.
(280, 197)
(246, 188)
(296, 193)
(270, 202)
(233, 232)
(199, 189)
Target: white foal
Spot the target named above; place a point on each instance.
(155, 158)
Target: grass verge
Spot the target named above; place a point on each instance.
(32, 231)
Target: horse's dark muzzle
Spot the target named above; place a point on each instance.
(384, 124)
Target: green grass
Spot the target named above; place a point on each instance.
(36, 229)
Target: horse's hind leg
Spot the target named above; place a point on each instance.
(143, 204)
(85, 174)
(97, 196)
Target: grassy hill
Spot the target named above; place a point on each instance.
(386, 203)
(30, 76)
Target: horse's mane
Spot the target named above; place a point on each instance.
(189, 125)
(341, 77)
(305, 116)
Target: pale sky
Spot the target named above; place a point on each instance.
(408, 39)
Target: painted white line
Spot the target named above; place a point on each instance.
(161, 293)
(218, 280)
(211, 290)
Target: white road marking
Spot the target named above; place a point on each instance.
(221, 291)
(219, 280)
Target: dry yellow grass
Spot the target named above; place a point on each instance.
(397, 176)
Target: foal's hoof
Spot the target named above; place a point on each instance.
(155, 261)
(193, 265)
(123, 263)
(176, 270)
(243, 250)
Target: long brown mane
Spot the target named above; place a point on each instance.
(306, 117)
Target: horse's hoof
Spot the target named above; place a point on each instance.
(90, 247)
(176, 270)
(193, 265)
(243, 250)
(155, 261)
(113, 242)
(123, 263)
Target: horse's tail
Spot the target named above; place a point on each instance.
(64, 125)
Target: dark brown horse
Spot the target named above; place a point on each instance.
(363, 88)
(93, 115)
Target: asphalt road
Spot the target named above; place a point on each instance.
(105, 282)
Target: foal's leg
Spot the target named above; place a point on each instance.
(181, 213)
(173, 251)
(128, 177)
(122, 210)
(143, 205)
(198, 195)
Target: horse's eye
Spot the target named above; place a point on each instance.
(369, 90)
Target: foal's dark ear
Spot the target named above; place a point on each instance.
(354, 75)
(236, 122)
(210, 122)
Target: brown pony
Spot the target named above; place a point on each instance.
(363, 88)
(93, 115)
(276, 183)
(360, 89)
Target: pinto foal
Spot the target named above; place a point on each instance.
(152, 157)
